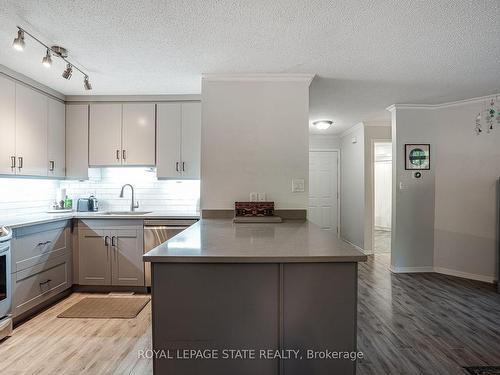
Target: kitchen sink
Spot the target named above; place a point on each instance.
(138, 213)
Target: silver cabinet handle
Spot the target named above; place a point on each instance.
(20, 160)
(106, 240)
(113, 243)
(183, 166)
(12, 162)
(177, 166)
(52, 165)
(43, 243)
(124, 154)
(117, 154)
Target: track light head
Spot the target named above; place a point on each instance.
(47, 60)
(86, 83)
(19, 43)
(68, 72)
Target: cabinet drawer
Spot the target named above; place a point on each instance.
(32, 249)
(35, 285)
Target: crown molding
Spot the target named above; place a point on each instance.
(131, 98)
(260, 77)
(382, 123)
(478, 99)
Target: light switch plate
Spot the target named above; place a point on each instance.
(298, 185)
(254, 197)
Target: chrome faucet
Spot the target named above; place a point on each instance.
(133, 205)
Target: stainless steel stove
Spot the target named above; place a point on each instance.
(5, 283)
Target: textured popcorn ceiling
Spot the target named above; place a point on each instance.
(366, 54)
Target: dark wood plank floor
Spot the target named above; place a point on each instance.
(424, 323)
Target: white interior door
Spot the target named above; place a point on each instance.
(323, 189)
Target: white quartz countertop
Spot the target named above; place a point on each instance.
(17, 221)
(222, 241)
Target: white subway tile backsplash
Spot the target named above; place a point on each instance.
(105, 184)
(24, 196)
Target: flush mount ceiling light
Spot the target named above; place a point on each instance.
(322, 124)
(56, 51)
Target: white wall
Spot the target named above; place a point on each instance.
(352, 186)
(413, 205)
(255, 138)
(467, 169)
(324, 142)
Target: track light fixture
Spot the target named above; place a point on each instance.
(68, 72)
(86, 83)
(56, 51)
(19, 43)
(47, 60)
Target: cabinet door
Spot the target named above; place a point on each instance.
(31, 131)
(56, 139)
(127, 267)
(191, 140)
(168, 140)
(77, 141)
(138, 134)
(105, 143)
(7, 125)
(94, 257)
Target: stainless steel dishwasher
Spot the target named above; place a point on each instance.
(157, 232)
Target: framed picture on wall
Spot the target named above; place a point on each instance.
(417, 156)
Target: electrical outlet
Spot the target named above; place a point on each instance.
(254, 197)
(298, 185)
(261, 197)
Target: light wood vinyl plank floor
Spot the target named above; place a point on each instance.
(407, 324)
(50, 345)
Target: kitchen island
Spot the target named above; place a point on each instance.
(254, 299)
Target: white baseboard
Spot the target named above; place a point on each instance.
(411, 269)
(465, 275)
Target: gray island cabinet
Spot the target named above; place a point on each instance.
(254, 299)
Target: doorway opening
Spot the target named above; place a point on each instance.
(382, 197)
(323, 189)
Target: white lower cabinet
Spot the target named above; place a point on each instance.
(41, 264)
(110, 254)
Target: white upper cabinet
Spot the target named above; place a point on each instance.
(7, 126)
(122, 134)
(191, 140)
(77, 141)
(168, 137)
(105, 135)
(178, 140)
(31, 132)
(56, 139)
(138, 134)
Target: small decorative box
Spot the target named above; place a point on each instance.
(253, 209)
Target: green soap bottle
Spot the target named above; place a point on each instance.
(68, 203)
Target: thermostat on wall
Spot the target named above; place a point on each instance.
(417, 175)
